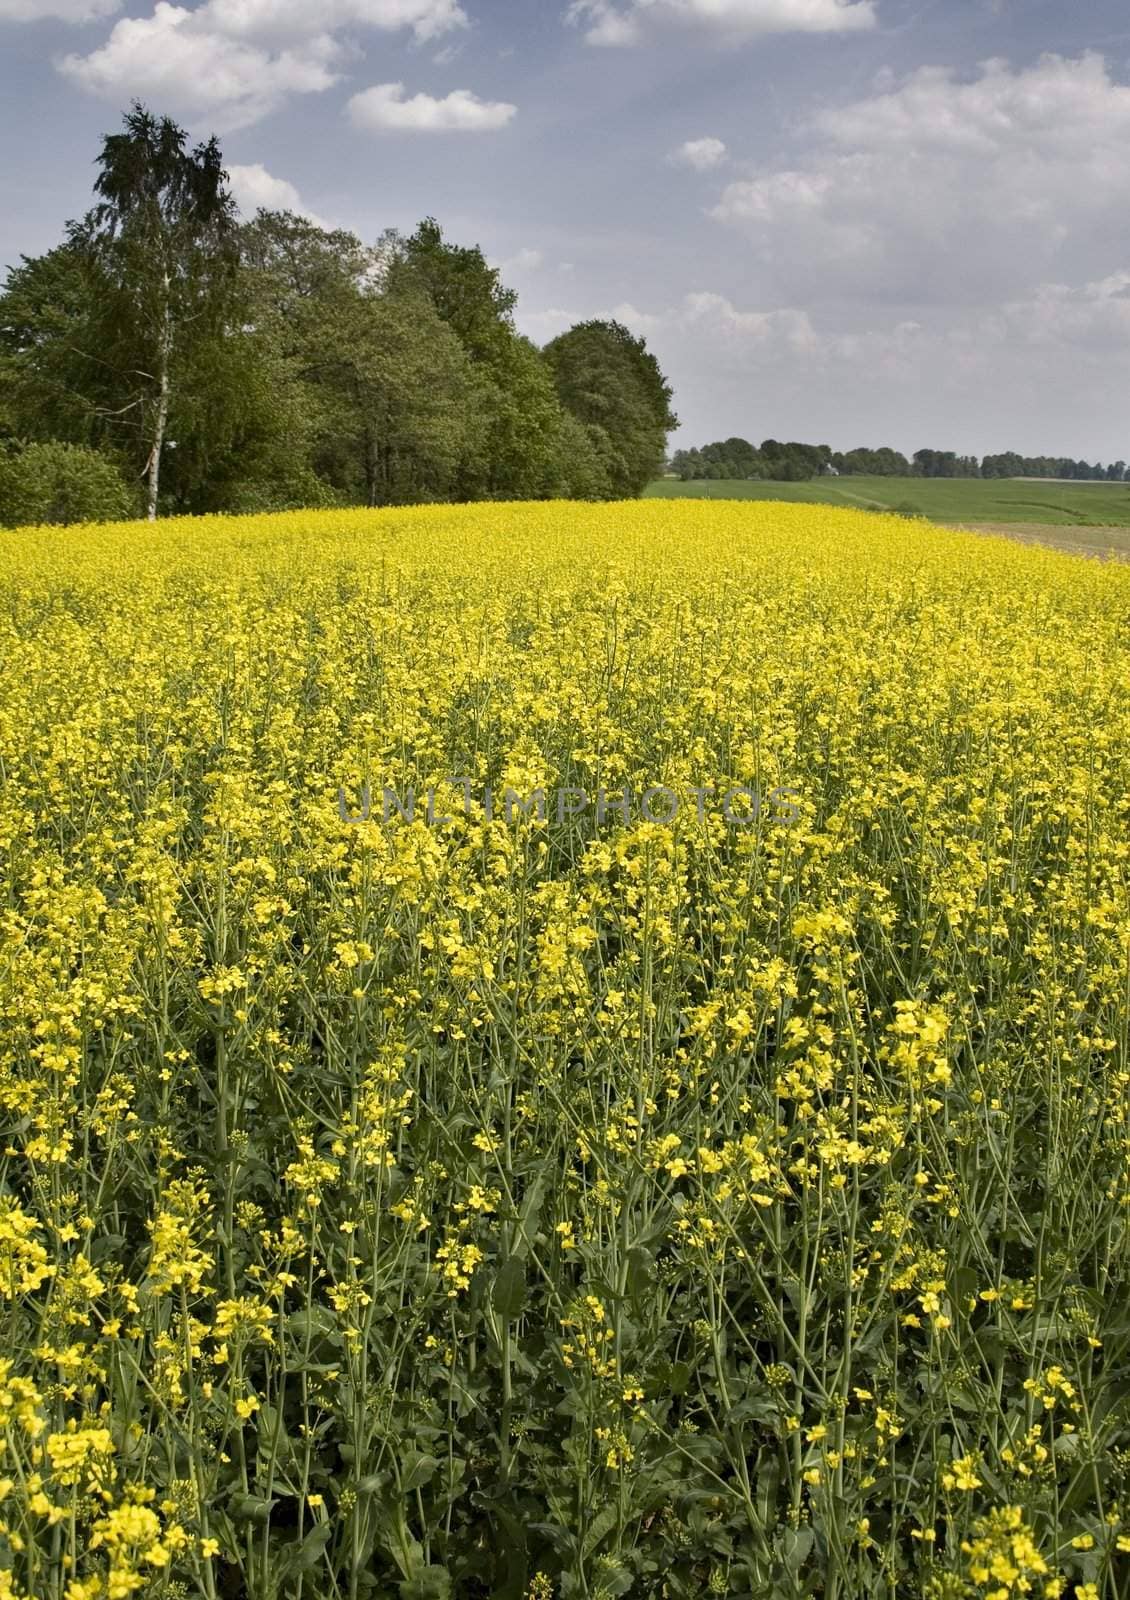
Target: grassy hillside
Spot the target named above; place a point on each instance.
(942, 499)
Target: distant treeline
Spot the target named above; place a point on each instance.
(169, 356)
(793, 462)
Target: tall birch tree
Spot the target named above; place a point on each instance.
(164, 235)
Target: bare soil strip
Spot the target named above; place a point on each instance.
(1105, 543)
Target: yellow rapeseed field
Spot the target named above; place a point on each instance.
(677, 1145)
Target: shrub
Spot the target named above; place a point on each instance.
(303, 490)
(61, 483)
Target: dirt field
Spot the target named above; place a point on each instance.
(1106, 543)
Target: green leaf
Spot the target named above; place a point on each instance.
(527, 1216)
(307, 1554)
(599, 1528)
(641, 1273)
(417, 1470)
(251, 1508)
(768, 1480)
(430, 1583)
(509, 1293)
(674, 1378)
(794, 1547)
(614, 1579)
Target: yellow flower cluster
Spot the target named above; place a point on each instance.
(715, 1171)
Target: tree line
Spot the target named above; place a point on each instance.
(792, 462)
(169, 356)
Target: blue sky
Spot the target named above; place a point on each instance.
(849, 221)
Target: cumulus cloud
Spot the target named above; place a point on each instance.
(1092, 317)
(263, 19)
(1034, 374)
(718, 314)
(174, 60)
(946, 188)
(386, 107)
(1055, 321)
(701, 154)
(605, 25)
(524, 260)
(256, 189)
(57, 10)
(702, 314)
(235, 61)
(716, 321)
(940, 261)
(609, 23)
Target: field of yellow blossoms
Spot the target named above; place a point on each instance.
(471, 1202)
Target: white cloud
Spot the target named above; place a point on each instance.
(609, 23)
(264, 19)
(256, 189)
(701, 154)
(948, 189)
(1055, 322)
(385, 107)
(1035, 374)
(524, 260)
(1093, 317)
(942, 261)
(57, 10)
(718, 315)
(606, 25)
(713, 319)
(170, 58)
(235, 61)
(700, 316)
(547, 323)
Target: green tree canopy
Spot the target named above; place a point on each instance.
(61, 483)
(466, 291)
(163, 236)
(275, 362)
(612, 383)
(388, 387)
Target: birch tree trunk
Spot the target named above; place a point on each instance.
(162, 420)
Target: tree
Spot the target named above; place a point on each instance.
(275, 363)
(940, 464)
(69, 370)
(394, 406)
(291, 264)
(466, 291)
(56, 379)
(794, 462)
(522, 422)
(415, 420)
(58, 484)
(611, 382)
(244, 430)
(582, 471)
(163, 236)
(688, 465)
(523, 430)
(1006, 465)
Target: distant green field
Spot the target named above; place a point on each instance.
(1088, 505)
